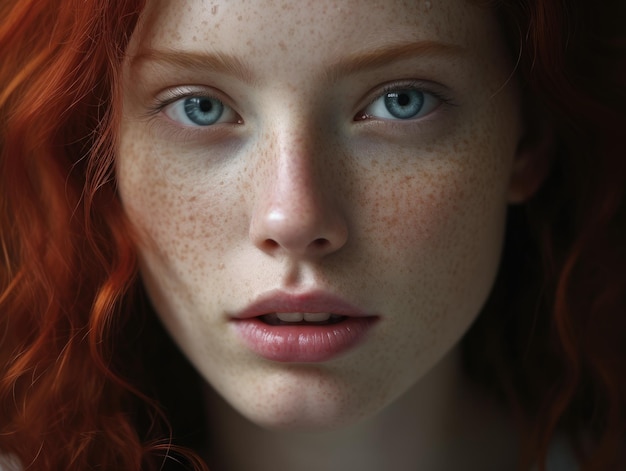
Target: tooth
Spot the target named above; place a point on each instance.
(316, 316)
(290, 316)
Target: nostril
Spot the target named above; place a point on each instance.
(320, 243)
(314, 234)
(271, 244)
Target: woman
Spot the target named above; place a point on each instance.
(313, 202)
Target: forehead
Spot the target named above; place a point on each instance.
(305, 31)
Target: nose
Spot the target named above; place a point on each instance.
(296, 211)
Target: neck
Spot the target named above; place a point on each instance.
(442, 423)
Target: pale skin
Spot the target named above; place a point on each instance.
(306, 182)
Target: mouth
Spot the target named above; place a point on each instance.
(315, 307)
(301, 318)
(302, 328)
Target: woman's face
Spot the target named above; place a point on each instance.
(285, 161)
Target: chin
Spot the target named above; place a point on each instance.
(305, 421)
(305, 401)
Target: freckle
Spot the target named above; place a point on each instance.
(214, 9)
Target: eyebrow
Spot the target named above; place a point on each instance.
(392, 53)
(360, 61)
(190, 60)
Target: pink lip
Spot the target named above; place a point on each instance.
(298, 342)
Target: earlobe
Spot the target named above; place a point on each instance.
(534, 155)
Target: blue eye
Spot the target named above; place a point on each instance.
(401, 104)
(200, 111)
(203, 111)
(404, 104)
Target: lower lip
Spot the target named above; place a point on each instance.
(303, 343)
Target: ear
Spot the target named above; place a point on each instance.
(534, 155)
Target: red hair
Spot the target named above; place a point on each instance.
(67, 251)
(553, 338)
(68, 394)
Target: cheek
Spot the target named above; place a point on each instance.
(435, 225)
(183, 218)
(443, 201)
(169, 203)
(435, 212)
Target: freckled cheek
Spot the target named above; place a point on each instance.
(447, 222)
(180, 218)
(413, 212)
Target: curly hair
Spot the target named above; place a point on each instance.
(553, 336)
(73, 392)
(67, 250)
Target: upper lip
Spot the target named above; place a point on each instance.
(311, 302)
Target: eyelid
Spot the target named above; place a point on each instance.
(438, 91)
(170, 95)
(175, 94)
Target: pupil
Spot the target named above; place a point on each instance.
(205, 106)
(403, 99)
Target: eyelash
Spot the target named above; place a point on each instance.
(177, 95)
(423, 87)
(416, 85)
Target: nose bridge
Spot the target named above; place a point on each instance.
(297, 178)
(296, 210)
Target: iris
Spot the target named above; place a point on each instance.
(203, 111)
(404, 104)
